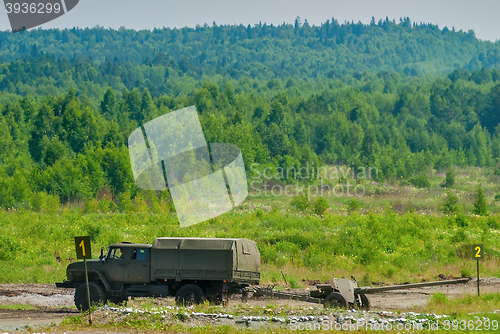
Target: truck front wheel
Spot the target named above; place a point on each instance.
(97, 296)
(189, 294)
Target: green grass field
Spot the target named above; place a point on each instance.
(385, 246)
(397, 235)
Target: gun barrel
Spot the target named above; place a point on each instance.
(367, 290)
(286, 295)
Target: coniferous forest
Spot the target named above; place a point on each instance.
(399, 96)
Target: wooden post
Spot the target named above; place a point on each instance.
(284, 277)
(477, 254)
(478, 278)
(88, 291)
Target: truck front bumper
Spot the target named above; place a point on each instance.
(67, 284)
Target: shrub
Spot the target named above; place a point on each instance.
(43, 202)
(166, 204)
(439, 298)
(140, 203)
(449, 182)
(493, 223)
(461, 221)
(460, 236)
(154, 202)
(366, 280)
(126, 204)
(300, 202)
(389, 271)
(421, 181)
(106, 205)
(404, 182)
(466, 272)
(480, 206)
(450, 207)
(91, 206)
(320, 206)
(8, 248)
(294, 284)
(353, 205)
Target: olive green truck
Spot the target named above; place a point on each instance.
(190, 269)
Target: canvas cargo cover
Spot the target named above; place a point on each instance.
(195, 243)
(230, 259)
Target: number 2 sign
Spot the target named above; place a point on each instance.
(83, 250)
(477, 252)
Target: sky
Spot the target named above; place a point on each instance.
(479, 15)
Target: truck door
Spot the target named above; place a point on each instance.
(115, 265)
(137, 266)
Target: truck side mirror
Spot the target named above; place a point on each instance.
(102, 255)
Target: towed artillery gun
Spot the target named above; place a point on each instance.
(344, 293)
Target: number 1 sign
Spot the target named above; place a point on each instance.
(83, 250)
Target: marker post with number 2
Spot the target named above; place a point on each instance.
(477, 254)
(84, 252)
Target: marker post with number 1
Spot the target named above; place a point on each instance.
(83, 252)
(477, 254)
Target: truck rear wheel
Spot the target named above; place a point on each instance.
(215, 298)
(189, 294)
(97, 296)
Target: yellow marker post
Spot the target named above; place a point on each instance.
(477, 254)
(84, 252)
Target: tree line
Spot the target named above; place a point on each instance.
(287, 95)
(62, 146)
(331, 49)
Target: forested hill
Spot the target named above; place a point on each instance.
(261, 51)
(288, 96)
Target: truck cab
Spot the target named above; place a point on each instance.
(128, 263)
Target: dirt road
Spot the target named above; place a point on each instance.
(406, 299)
(33, 305)
(43, 304)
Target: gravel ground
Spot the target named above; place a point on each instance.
(53, 304)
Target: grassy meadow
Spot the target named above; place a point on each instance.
(382, 241)
(397, 234)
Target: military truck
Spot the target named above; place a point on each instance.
(190, 269)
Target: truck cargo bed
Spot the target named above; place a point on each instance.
(232, 260)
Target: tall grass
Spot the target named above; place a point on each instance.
(384, 246)
(487, 302)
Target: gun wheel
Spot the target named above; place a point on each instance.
(363, 302)
(335, 300)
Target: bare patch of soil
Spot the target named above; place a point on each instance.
(61, 301)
